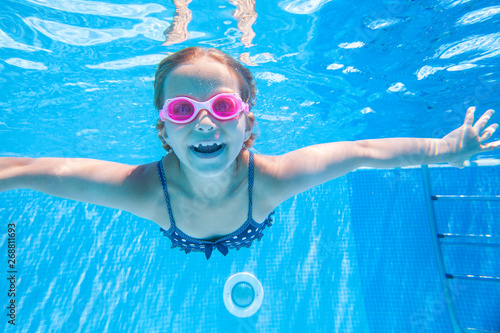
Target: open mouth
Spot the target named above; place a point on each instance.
(208, 150)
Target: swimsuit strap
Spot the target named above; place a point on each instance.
(159, 166)
(250, 184)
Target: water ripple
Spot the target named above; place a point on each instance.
(396, 87)
(453, 3)
(302, 6)
(150, 28)
(425, 71)
(354, 45)
(146, 60)
(262, 58)
(334, 66)
(382, 23)
(7, 42)
(270, 77)
(101, 8)
(460, 67)
(27, 64)
(480, 15)
(487, 44)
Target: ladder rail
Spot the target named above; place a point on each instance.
(438, 252)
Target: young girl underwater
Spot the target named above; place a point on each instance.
(209, 191)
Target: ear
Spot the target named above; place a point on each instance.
(162, 133)
(250, 119)
(248, 134)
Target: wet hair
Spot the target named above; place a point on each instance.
(245, 78)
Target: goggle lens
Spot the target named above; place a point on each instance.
(224, 107)
(181, 110)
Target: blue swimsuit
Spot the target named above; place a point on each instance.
(244, 236)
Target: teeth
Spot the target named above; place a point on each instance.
(206, 145)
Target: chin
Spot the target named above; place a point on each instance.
(210, 167)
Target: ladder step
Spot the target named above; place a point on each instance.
(478, 330)
(472, 244)
(466, 197)
(470, 240)
(473, 277)
(468, 236)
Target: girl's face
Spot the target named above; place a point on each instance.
(193, 143)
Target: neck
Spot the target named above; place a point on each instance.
(212, 187)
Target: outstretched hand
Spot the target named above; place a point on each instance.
(467, 140)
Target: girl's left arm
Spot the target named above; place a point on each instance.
(305, 168)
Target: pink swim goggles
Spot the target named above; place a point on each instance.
(182, 110)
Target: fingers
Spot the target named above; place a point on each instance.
(490, 146)
(481, 123)
(469, 116)
(488, 132)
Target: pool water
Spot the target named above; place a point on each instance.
(353, 255)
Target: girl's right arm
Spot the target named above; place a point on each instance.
(98, 182)
(302, 169)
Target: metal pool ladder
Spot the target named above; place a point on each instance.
(472, 240)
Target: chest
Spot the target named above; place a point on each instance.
(209, 218)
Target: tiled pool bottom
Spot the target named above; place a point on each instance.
(352, 255)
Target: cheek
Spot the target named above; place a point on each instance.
(172, 131)
(239, 128)
(242, 122)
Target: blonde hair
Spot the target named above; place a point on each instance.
(247, 82)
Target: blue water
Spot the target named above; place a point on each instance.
(352, 255)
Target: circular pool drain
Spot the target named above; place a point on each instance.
(243, 294)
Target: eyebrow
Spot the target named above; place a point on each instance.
(221, 91)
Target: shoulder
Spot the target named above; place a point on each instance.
(267, 170)
(144, 186)
(143, 176)
(280, 177)
(266, 166)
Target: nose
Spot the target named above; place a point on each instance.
(205, 122)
